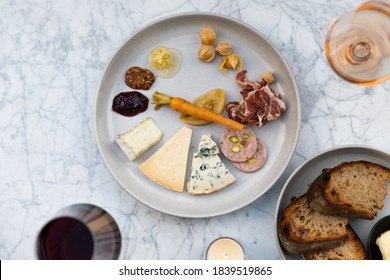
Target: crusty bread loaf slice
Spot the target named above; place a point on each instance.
(301, 229)
(352, 249)
(353, 189)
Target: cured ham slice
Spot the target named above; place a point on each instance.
(259, 103)
(236, 111)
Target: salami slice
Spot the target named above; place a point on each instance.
(256, 161)
(238, 146)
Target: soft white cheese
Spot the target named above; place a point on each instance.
(383, 242)
(139, 139)
(208, 173)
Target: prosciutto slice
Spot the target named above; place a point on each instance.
(259, 103)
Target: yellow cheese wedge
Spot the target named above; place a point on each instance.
(167, 166)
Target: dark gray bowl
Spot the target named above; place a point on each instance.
(381, 226)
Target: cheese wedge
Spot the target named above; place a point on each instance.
(208, 173)
(167, 166)
(139, 139)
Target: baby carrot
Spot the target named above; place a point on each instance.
(183, 106)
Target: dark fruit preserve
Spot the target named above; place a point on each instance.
(65, 239)
(130, 103)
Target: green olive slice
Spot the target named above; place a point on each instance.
(213, 100)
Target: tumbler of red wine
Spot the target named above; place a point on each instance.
(80, 232)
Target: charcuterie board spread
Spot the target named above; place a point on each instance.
(211, 81)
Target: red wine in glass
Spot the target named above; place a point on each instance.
(66, 239)
(80, 232)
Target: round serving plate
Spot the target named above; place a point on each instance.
(194, 77)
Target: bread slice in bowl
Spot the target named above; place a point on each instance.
(302, 229)
(352, 249)
(355, 189)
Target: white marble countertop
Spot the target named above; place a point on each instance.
(52, 56)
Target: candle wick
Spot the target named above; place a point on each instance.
(226, 256)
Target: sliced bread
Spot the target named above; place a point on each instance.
(352, 249)
(301, 229)
(355, 189)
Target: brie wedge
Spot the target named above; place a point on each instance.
(139, 139)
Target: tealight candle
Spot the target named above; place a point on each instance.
(225, 248)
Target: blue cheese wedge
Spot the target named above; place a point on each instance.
(208, 173)
(167, 166)
(139, 139)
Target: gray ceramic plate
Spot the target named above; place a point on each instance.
(299, 181)
(194, 78)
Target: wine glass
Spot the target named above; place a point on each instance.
(80, 232)
(357, 44)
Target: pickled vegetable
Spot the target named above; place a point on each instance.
(213, 100)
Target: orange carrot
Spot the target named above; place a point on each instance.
(183, 106)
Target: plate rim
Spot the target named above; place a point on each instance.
(300, 167)
(217, 16)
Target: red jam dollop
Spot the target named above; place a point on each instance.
(130, 103)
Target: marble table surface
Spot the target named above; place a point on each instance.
(52, 56)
